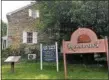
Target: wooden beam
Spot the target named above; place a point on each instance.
(12, 67)
(65, 66)
(107, 53)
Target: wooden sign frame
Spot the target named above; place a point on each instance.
(41, 60)
(89, 44)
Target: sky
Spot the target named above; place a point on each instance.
(9, 6)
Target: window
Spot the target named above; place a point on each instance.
(29, 37)
(34, 13)
(4, 44)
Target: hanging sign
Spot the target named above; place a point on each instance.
(49, 53)
(84, 40)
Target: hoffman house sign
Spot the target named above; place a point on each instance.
(84, 40)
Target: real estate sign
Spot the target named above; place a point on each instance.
(49, 53)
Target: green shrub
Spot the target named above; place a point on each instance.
(6, 52)
(22, 51)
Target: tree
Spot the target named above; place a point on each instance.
(55, 17)
(63, 17)
(95, 14)
(3, 28)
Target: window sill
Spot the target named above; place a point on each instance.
(29, 43)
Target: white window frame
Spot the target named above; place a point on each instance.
(29, 37)
(33, 13)
(34, 37)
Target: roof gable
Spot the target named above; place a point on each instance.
(10, 13)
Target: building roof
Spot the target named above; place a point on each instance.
(21, 8)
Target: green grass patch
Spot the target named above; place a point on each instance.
(31, 70)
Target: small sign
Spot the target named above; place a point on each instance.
(13, 59)
(49, 53)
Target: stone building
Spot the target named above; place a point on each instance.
(22, 28)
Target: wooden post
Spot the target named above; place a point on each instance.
(65, 66)
(12, 67)
(107, 53)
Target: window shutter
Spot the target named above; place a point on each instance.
(34, 37)
(30, 12)
(24, 37)
(37, 13)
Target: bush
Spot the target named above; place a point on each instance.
(22, 51)
(6, 52)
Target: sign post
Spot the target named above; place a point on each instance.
(65, 64)
(107, 53)
(41, 57)
(49, 53)
(57, 64)
(12, 66)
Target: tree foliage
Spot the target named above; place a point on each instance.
(63, 17)
(3, 28)
(60, 18)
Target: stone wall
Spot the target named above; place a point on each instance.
(20, 21)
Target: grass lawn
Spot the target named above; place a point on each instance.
(31, 70)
